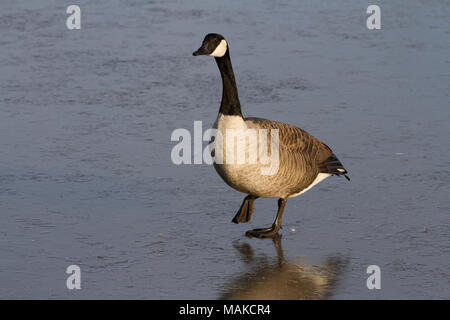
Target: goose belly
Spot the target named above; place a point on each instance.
(248, 179)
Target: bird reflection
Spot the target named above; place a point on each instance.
(282, 279)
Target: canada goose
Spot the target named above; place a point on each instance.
(303, 162)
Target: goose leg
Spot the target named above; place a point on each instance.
(245, 211)
(276, 226)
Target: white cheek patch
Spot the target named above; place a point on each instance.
(220, 50)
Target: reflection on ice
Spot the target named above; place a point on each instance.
(279, 278)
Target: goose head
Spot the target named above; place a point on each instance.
(213, 45)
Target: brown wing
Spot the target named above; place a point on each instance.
(298, 140)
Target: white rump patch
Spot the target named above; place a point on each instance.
(220, 50)
(320, 177)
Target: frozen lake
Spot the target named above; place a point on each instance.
(86, 176)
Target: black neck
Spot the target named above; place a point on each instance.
(230, 104)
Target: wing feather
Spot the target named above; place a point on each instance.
(296, 140)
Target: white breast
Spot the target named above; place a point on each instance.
(232, 126)
(224, 122)
(243, 177)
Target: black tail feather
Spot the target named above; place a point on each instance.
(333, 166)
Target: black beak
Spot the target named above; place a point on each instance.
(200, 51)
